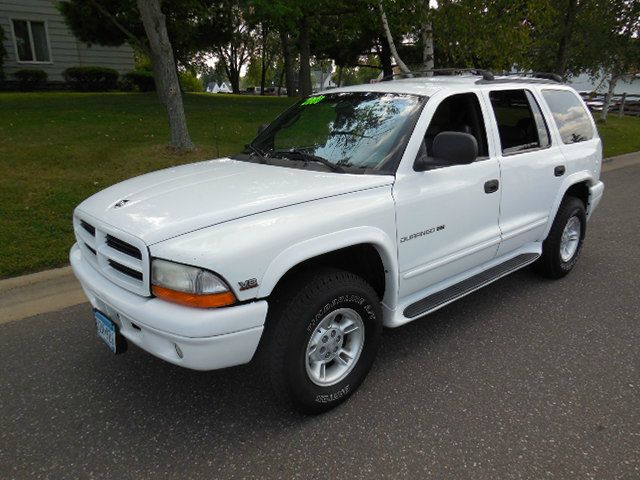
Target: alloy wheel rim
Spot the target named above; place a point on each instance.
(570, 239)
(334, 347)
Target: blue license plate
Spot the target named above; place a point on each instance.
(107, 330)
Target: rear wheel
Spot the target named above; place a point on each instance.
(562, 247)
(322, 337)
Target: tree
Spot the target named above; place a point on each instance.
(607, 43)
(191, 24)
(389, 36)
(165, 71)
(236, 52)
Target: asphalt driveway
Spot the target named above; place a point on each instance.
(527, 378)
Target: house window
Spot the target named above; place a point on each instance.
(32, 44)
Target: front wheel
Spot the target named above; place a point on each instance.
(322, 337)
(562, 247)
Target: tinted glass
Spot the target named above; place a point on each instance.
(570, 115)
(541, 126)
(23, 43)
(354, 130)
(458, 113)
(40, 46)
(517, 124)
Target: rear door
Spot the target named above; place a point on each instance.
(447, 218)
(532, 166)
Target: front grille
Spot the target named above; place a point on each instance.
(124, 247)
(122, 258)
(89, 228)
(126, 270)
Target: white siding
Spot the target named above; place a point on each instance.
(66, 50)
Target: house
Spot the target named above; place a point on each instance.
(35, 36)
(321, 80)
(222, 87)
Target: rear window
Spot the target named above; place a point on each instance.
(570, 116)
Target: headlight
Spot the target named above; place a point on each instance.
(192, 286)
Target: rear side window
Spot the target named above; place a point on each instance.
(570, 115)
(520, 123)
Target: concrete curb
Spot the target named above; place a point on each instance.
(51, 290)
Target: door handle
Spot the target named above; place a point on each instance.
(559, 170)
(491, 186)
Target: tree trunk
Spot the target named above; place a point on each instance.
(288, 64)
(608, 98)
(280, 78)
(385, 59)
(164, 67)
(427, 41)
(392, 46)
(304, 76)
(263, 53)
(562, 55)
(340, 75)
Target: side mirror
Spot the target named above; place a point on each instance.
(262, 128)
(455, 148)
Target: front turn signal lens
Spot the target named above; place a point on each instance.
(188, 285)
(214, 300)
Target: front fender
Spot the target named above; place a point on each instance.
(266, 245)
(313, 247)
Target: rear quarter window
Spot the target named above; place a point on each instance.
(571, 118)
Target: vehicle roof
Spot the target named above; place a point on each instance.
(428, 86)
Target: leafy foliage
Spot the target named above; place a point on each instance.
(91, 79)
(30, 79)
(142, 80)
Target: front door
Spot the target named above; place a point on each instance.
(447, 218)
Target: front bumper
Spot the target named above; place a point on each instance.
(208, 339)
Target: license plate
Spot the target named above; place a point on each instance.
(108, 331)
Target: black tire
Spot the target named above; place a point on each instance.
(295, 311)
(551, 264)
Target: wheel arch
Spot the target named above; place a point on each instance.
(575, 185)
(368, 252)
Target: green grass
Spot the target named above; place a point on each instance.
(58, 148)
(620, 135)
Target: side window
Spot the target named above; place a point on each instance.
(521, 125)
(458, 113)
(570, 115)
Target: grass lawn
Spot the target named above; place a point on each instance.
(58, 148)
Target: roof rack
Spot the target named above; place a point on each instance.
(543, 75)
(486, 74)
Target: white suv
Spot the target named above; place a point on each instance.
(358, 208)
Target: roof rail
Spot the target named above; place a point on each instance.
(543, 75)
(486, 74)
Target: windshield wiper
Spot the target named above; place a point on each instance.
(257, 151)
(301, 155)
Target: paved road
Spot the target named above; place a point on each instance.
(526, 379)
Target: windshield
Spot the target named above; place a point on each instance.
(354, 132)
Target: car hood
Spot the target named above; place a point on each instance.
(174, 201)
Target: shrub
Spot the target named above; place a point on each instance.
(191, 83)
(30, 78)
(141, 79)
(91, 79)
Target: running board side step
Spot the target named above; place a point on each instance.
(461, 289)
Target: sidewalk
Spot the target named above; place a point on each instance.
(52, 290)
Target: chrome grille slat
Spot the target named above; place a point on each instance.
(121, 257)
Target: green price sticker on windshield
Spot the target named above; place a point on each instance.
(313, 100)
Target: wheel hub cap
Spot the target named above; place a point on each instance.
(334, 347)
(570, 239)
